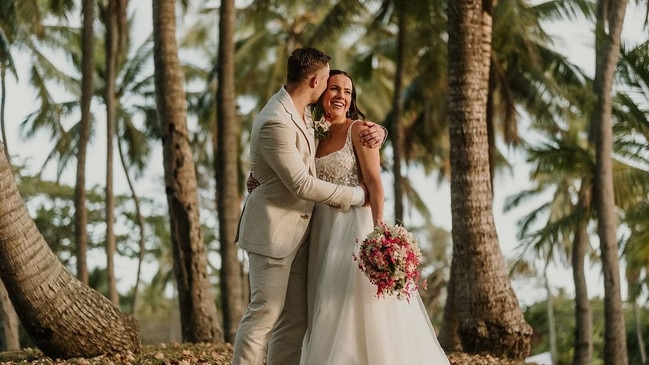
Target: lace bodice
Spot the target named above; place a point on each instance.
(339, 167)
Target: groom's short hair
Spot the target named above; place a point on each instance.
(304, 62)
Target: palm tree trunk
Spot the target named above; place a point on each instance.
(62, 316)
(449, 335)
(87, 80)
(397, 111)
(610, 15)
(490, 319)
(3, 102)
(227, 175)
(9, 320)
(139, 219)
(112, 50)
(583, 352)
(551, 322)
(198, 316)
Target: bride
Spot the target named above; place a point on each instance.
(348, 324)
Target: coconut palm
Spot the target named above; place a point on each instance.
(20, 22)
(87, 84)
(63, 317)
(608, 29)
(227, 174)
(631, 131)
(114, 16)
(483, 325)
(567, 159)
(561, 169)
(199, 319)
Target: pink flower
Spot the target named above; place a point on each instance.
(390, 257)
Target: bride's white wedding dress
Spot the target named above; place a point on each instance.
(348, 324)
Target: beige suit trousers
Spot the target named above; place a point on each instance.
(277, 314)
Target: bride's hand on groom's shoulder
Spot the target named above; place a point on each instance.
(374, 135)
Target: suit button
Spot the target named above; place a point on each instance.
(304, 216)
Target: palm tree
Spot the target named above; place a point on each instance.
(562, 167)
(227, 175)
(559, 165)
(63, 317)
(115, 20)
(19, 22)
(610, 18)
(631, 133)
(397, 110)
(488, 314)
(199, 319)
(87, 81)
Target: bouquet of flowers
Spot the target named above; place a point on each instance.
(320, 123)
(390, 257)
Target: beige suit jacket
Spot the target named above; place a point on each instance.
(276, 215)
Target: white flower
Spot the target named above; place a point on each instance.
(321, 127)
(320, 123)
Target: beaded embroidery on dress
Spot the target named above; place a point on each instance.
(339, 167)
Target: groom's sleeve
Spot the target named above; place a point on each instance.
(279, 151)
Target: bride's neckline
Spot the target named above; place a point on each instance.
(345, 126)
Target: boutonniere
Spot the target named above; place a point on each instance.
(320, 123)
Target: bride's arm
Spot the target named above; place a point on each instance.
(369, 161)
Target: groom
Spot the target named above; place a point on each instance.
(274, 224)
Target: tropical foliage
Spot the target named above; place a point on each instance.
(537, 104)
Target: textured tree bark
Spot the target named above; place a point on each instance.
(227, 175)
(610, 18)
(63, 317)
(488, 313)
(9, 321)
(198, 316)
(583, 348)
(87, 81)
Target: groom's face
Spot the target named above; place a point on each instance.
(321, 83)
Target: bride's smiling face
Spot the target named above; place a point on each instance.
(338, 96)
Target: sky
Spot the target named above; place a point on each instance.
(575, 37)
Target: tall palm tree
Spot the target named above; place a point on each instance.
(87, 84)
(397, 110)
(115, 20)
(63, 317)
(199, 319)
(631, 134)
(560, 165)
(19, 22)
(488, 313)
(608, 29)
(227, 174)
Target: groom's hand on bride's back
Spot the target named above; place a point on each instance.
(251, 183)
